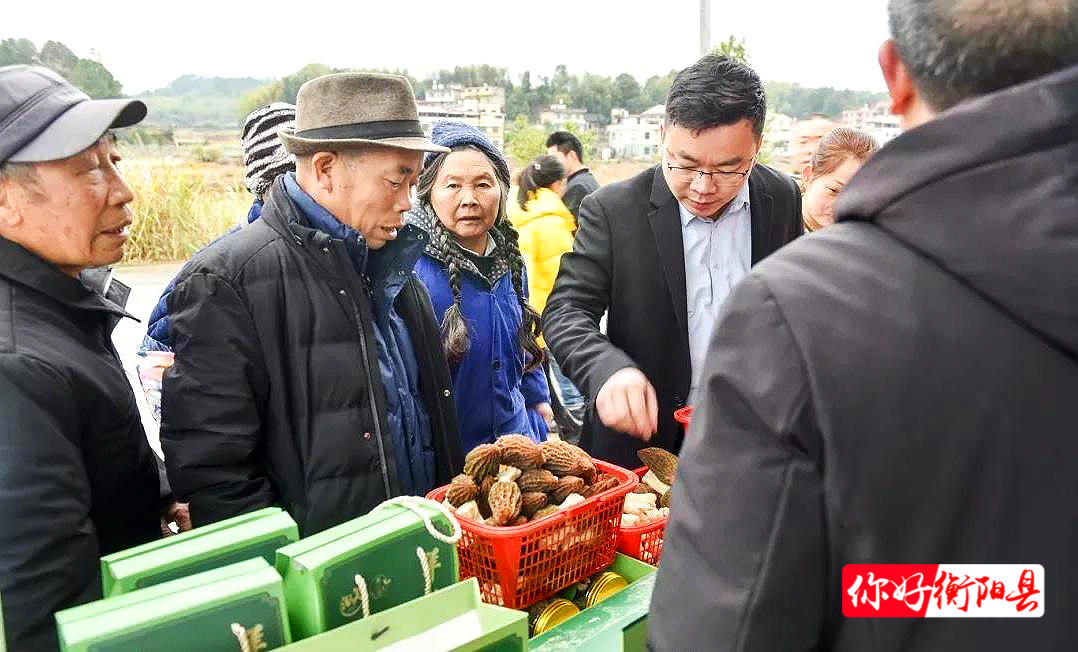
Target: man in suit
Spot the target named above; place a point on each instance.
(660, 252)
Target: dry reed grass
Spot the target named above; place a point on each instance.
(180, 206)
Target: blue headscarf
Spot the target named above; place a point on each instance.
(450, 134)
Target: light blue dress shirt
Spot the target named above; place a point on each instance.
(718, 254)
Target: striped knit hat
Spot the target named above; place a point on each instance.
(263, 154)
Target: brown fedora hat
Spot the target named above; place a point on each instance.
(348, 110)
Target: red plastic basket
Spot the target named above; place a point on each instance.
(683, 416)
(643, 542)
(518, 566)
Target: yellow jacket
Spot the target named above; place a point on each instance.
(546, 232)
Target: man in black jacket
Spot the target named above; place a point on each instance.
(661, 251)
(309, 369)
(900, 388)
(77, 477)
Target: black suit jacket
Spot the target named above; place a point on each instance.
(629, 258)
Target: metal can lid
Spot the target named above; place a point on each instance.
(554, 614)
(604, 586)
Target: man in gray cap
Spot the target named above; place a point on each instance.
(77, 477)
(309, 369)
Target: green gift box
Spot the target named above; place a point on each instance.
(370, 563)
(255, 534)
(617, 623)
(235, 607)
(453, 619)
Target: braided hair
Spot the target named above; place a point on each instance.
(543, 172)
(455, 335)
(529, 331)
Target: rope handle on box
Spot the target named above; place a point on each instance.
(361, 584)
(250, 639)
(412, 503)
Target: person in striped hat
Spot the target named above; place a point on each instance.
(265, 159)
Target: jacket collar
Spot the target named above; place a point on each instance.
(283, 213)
(320, 219)
(317, 216)
(762, 223)
(740, 201)
(398, 257)
(666, 226)
(580, 172)
(664, 219)
(28, 269)
(986, 192)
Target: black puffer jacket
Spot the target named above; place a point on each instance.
(77, 477)
(896, 389)
(276, 397)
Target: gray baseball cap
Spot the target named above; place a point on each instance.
(44, 118)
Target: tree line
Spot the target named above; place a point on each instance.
(224, 101)
(88, 75)
(597, 94)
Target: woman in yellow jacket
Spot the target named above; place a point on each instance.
(545, 225)
(546, 229)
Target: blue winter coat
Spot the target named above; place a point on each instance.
(492, 391)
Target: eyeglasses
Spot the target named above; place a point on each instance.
(721, 177)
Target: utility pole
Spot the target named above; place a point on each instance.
(705, 27)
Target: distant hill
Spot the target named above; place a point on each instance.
(194, 101)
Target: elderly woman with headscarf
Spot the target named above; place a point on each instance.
(478, 284)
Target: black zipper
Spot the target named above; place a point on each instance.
(371, 397)
(370, 385)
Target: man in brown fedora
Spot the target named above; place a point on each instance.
(309, 371)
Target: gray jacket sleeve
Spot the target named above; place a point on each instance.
(580, 296)
(744, 562)
(48, 544)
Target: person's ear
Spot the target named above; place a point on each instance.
(900, 84)
(10, 216)
(325, 167)
(806, 175)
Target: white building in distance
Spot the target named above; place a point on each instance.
(557, 116)
(875, 120)
(635, 136)
(479, 106)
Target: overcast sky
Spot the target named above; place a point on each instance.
(148, 44)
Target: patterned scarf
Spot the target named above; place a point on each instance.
(444, 247)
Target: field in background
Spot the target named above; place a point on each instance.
(611, 171)
(181, 205)
(191, 191)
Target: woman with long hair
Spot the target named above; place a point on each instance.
(478, 285)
